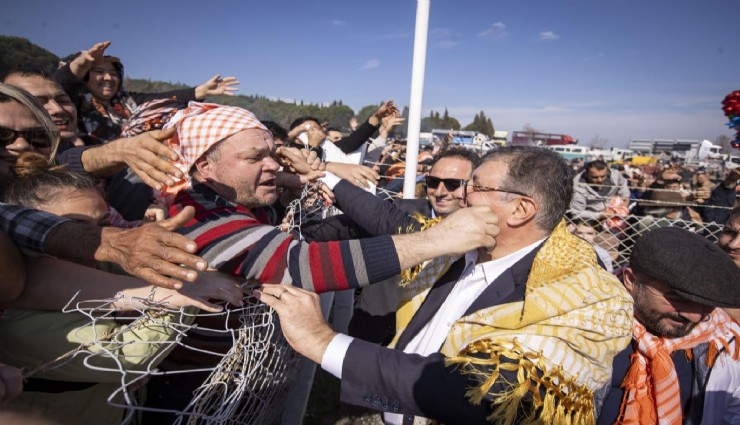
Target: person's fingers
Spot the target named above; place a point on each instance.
(175, 222)
(163, 134)
(232, 293)
(157, 279)
(269, 299)
(152, 172)
(149, 181)
(291, 154)
(154, 215)
(176, 250)
(370, 174)
(160, 150)
(203, 304)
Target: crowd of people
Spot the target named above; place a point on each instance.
(486, 300)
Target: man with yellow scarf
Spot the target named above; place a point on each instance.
(523, 333)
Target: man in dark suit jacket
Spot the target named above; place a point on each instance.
(529, 189)
(365, 215)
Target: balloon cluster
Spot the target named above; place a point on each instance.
(731, 107)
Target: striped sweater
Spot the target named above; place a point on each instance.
(236, 240)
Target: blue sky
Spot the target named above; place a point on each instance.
(615, 70)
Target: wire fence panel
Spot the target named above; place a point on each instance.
(619, 238)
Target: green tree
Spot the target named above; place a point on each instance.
(481, 124)
(20, 53)
(366, 112)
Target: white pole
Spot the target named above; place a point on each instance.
(417, 91)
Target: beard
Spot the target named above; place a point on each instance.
(249, 198)
(657, 323)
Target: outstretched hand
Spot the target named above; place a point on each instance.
(304, 163)
(301, 319)
(217, 86)
(153, 251)
(82, 63)
(144, 155)
(386, 109)
(210, 285)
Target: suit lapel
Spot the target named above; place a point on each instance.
(437, 295)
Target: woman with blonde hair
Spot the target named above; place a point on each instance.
(25, 126)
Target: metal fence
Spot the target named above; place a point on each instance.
(618, 240)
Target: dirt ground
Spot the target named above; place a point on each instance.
(324, 407)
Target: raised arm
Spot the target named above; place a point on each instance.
(239, 244)
(355, 140)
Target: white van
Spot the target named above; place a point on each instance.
(732, 162)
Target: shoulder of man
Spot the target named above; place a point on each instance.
(413, 206)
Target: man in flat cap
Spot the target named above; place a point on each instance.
(682, 366)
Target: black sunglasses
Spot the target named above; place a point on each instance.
(450, 184)
(37, 136)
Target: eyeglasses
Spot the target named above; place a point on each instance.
(478, 188)
(450, 184)
(37, 136)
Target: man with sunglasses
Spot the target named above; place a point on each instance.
(451, 170)
(523, 330)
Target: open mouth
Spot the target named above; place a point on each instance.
(268, 183)
(60, 122)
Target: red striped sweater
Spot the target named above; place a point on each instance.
(234, 239)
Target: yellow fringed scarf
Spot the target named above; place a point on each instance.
(563, 337)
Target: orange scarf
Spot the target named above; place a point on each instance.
(652, 394)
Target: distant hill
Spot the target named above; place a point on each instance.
(20, 53)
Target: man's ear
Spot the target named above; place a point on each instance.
(204, 167)
(629, 277)
(525, 211)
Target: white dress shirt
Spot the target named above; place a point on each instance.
(474, 280)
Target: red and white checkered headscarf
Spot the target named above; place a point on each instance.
(200, 126)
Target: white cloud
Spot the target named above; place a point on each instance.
(497, 30)
(548, 36)
(338, 23)
(369, 64)
(445, 38)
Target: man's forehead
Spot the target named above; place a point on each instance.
(490, 171)
(452, 163)
(36, 85)
(252, 138)
(734, 224)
